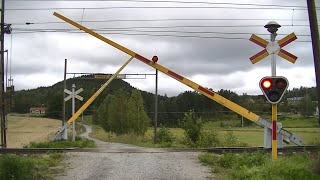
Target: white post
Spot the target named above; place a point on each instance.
(73, 109)
(273, 58)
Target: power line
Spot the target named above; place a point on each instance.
(269, 6)
(151, 7)
(174, 26)
(156, 20)
(161, 35)
(148, 31)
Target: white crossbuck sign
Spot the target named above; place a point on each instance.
(75, 94)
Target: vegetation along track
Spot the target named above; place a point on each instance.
(218, 150)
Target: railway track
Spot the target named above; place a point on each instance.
(34, 150)
(217, 150)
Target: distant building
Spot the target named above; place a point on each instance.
(38, 110)
(294, 99)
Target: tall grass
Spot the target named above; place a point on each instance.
(78, 143)
(259, 165)
(32, 167)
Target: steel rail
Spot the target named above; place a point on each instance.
(34, 150)
(217, 150)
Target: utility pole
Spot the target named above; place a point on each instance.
(315, 44)
(155, 60)
(3, 115)
(64, 134)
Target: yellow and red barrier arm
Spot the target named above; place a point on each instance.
(206, 92)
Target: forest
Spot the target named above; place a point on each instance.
(170, 109)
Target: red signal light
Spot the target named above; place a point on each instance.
(273, 88)
(266, 84)
(155, 59)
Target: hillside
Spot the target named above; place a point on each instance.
(51, 97)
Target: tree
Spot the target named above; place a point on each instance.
(137, 118)
(117, 112)
(55, 105)
(306, 107)
(102, 114)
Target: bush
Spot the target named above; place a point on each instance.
(192, 126)
(209, 139)
(259, 165)
(230, 139)
(164, 135)
(36, 167)
(208, 158)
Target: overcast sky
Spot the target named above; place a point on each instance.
(180, 37)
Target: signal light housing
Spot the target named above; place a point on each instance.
(273, 88)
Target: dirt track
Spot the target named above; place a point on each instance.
(122, 161)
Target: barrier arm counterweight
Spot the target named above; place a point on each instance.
(89, 101)
(210, 94)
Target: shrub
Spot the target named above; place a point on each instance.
(259, 165)
(192, 126)
(230, 139)
(16, 167)
(227, 160)
(208, 158)
(209, 139)
(78, 143)
(164, 135)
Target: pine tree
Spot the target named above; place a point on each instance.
(117, 112)
(138, 120)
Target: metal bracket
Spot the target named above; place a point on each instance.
(292, 137)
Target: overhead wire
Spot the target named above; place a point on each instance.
(155, 35)
(158, 20)
(230, 6)
(220, 5)
(151, 7)
(207, 3)
(148, 31)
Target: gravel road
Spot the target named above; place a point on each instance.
(121, 161)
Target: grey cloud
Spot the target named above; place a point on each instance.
(45, 52)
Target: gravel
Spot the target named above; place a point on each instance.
(120, 161)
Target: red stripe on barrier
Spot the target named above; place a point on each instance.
(175, 75)
(206, 90)
(288, 54)
(258, 54)
(258, 42)
(288, 41)
(141, 58)
(274, 130)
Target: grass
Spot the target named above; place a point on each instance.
(298, 121)
(101, 134)
(307, 128)
(23, 129)
(259, 165)
(78, 143)
(33, 167)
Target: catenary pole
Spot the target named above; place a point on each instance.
(315, 44)
(3, 115)
(64, 134)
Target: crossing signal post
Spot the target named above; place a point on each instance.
(273, 87)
